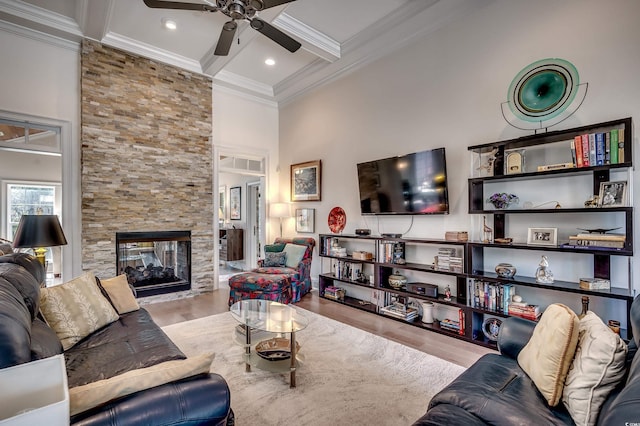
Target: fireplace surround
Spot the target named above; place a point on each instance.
(155, 262)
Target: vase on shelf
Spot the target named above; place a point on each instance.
(502, 200)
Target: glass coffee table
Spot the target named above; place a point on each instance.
(257, 315)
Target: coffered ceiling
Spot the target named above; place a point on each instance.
(336, 36)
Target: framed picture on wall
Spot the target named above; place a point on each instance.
(305, 181)
(235, 203)
(305, 220)
(222, 195)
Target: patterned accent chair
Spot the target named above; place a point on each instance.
(277, 283)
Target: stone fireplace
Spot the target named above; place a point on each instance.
(155, 262)
(146, 158)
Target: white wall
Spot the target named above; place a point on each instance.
(250, 126)
(41, 78)
(446, 90)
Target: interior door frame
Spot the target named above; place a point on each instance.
(256, 238)
(250, 152)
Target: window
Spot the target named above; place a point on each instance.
(28, 199)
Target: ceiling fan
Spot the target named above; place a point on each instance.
(236, 10)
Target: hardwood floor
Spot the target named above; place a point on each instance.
(448, 348)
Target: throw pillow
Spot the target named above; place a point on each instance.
(82, 398)
(597, 368)
(275, 259)
(76, 309)
(120, 294)
(547, 356)
(295, 253)
(274, 247)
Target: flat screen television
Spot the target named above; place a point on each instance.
(410, 184)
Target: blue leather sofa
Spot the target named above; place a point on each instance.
(199, 400)
(496, 391)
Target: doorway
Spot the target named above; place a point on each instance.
(241, 180)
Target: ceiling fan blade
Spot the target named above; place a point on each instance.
(273, 3)
(226, 38)
(157, 4)
(275, 34)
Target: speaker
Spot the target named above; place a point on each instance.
(423, 289)
(361, 231)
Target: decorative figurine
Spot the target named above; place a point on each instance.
(447, 294)
(543, 273)
(487, 232)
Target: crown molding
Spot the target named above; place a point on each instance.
(40, 19)
(316, 41)
(238, 92)
(39, 36)
(244, 84)
(148, 51)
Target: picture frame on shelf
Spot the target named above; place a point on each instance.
(513, 161)
(613, 194)
(235, 203)
(542, 236)
(306, 180)
(305, 220)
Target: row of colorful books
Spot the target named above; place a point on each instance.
(492, 296)
(453, 325)
(598, 149)
(390, 251)
(446, 260)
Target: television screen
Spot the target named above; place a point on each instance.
(411, 184)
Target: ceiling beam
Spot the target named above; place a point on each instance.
(312, 40)
(94, 17)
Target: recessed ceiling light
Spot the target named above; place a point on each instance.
(270, 62)
(169, 24)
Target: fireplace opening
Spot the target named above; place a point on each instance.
(155, 262)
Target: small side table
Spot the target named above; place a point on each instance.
(272, 317)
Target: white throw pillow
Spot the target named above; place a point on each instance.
(597, 368)
(295, 253)
(547, 356)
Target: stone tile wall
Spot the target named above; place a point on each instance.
(146, 156)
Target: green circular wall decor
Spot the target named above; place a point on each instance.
(543, 89)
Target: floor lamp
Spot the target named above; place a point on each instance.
(281, 211)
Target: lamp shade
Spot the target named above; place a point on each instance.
(39, 231)
(279, 210)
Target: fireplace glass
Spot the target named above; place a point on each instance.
(155, 262)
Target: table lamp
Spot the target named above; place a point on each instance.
(280, 210)
(37, 232)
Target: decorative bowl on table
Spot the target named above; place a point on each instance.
(397, 281)
(276, 349)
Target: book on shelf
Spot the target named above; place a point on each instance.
(592, 148)
(597, 243)
(600, 148)
(585, 150)
(595, 284)
(621, 158)
(576, 150)
(607, 148)
(524, 310)
(601, 237)
(614, 146)
(583, 247)
(390, 251)
(398, 310)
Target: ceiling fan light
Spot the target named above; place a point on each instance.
(270, 61)
(169, 24)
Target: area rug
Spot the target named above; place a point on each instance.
(348, 376)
